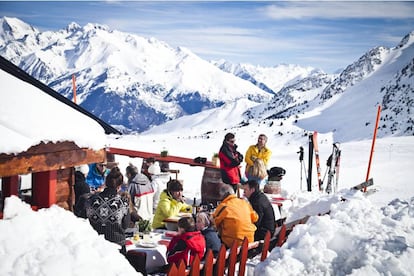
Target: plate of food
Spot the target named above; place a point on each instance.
(147, 244)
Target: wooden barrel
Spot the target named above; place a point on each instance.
(210, 185)
(272, 187)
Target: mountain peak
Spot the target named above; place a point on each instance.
(73, 27)
(13, 28)
(407, 40)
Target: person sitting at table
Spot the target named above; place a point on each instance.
(96, 176)
(141, 191)
(108, 211)
(258, 172)
(234, 218)
(171, 204)
(187, 244)
(204, 225)
(263, 208)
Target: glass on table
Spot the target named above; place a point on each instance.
(136, 236)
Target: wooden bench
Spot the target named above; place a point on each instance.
(228, 259)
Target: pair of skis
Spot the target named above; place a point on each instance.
(333, 164)
(333, 168)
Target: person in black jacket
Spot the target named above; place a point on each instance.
(230, 160)
(263, 208)
(82, 190)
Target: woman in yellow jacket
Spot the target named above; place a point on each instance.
(234, 218)
(171, 203)
(258, 150)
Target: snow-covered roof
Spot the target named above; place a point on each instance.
(30, 115)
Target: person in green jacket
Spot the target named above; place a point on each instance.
(171, 204)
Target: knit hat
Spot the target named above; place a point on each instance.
(154, 168)
(83, 169)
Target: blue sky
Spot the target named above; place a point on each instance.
(326, 35)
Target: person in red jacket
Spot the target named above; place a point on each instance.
(230, 160)
(187, 244)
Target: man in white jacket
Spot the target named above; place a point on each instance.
(141, 191)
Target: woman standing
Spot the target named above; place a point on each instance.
(230, 160)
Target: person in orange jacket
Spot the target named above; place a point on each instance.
(234, 218)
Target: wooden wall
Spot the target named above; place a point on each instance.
(65, 196)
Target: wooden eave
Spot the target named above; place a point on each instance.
(48, 156)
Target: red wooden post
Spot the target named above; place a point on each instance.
(44, 188)
(74, 87)
(10, 186)
(373, 144)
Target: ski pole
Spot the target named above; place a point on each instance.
(300, 152)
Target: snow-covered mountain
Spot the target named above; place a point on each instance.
(122, 78)
(136, 83)
(271, 79)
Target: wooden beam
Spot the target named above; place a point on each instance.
(48, 156)
(158, 157)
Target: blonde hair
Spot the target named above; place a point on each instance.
(258, 169)
(204, 218)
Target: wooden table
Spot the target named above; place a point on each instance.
(171, 222)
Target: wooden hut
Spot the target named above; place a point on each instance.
(44, 134)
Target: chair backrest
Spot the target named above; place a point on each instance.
(195, 267)
(266, 245)
(208, 263)
(172, 270)
(221, 261)
(282, 236)
(243, 256)
(232, 259)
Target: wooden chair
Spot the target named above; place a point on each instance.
(281, 236)
(173, 271)
(243, 256)
(232, 259)
(220, 261)
(208, 263)
(266, 245)
(138, 260)
(195, 267)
